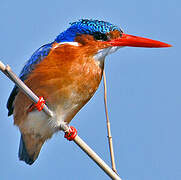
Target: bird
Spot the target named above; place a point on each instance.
(66, 73)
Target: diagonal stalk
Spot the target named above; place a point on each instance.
(12, 76)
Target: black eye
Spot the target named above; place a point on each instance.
(121, 33)
(100, 36)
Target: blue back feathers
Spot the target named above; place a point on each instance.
(85, 26)
(37, 56)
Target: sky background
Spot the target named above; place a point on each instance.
(144, 91)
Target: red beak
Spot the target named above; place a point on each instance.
(135, 41)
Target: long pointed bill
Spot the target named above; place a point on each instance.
(135, 41)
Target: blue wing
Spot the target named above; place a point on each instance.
(38, 56)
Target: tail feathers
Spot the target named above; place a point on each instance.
(23, 154)
(29, 148)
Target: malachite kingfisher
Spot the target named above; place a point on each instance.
(66, 73)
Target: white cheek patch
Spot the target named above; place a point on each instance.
(70, 43)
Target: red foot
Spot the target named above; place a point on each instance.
(71, 134)
(39, 105)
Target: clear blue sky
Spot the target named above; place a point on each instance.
(144, 91)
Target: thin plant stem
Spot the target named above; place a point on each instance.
(110, 140)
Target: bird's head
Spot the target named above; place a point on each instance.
(104, 37)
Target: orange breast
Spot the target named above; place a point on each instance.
(68, 75)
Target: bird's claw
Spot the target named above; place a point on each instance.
(71, 134)
(39, 105)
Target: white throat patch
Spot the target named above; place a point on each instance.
(102, 53)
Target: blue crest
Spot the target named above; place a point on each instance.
(85, 26)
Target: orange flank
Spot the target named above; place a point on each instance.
(68, 73)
